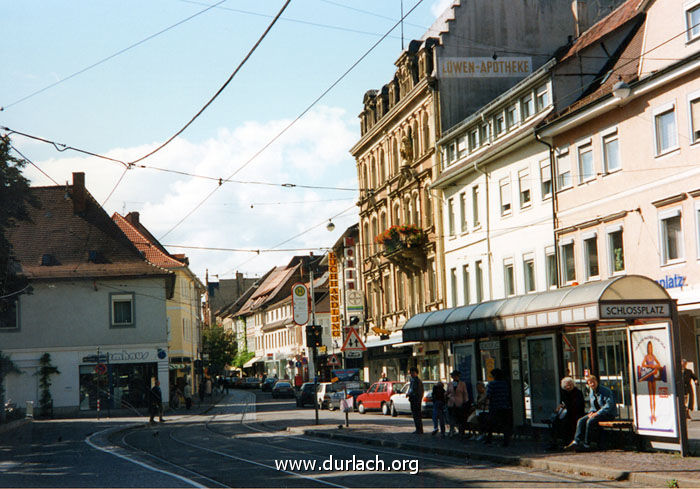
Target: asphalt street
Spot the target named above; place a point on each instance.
(242, 442)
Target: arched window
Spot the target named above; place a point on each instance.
(426, 133)
(382, 222)
(395, 155)
(367, 240)
(373, 171)
(407, 210)
(365, 183)
(397, 213)
(415, 139)
(382, 166)
(428, 208)
(416, 209)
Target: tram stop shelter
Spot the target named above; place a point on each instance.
(624, 330)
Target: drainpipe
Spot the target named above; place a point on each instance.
(552, 162)
(488, 229)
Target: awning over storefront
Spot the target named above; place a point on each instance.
(625, 297)
(252, 361)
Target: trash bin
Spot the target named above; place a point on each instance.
(30, 409)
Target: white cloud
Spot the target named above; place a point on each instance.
(439, 6)
(313, 152)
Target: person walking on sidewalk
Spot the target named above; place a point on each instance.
(187, 392)
(688, 378)
(603, 408)
(457, 403)
(156, 404)
(415, 396)
(500, 407)
(439, 408)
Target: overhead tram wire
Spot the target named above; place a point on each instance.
(103, 60)
(307, 109)
(33, 164)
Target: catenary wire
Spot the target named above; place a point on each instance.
(33, 164)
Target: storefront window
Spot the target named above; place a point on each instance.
(126, 385)
(430, 367)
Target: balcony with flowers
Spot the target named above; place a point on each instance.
(404, 246)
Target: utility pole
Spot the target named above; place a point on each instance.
(313, 322)
(401, 25)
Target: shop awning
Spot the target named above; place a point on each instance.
(625, 297)
(252, 361)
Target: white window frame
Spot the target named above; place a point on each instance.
(692, 97)
(546, 164)
(667, 214)
(659, 111)
(508, 263)
(451, 217)
(466, 285)
(505, 182)
(609, 231)
(464, 224)
(516, 115)
(550, 251)
(453, 286)
(524, 175)
(588, 145)
(121, 297)
(542, 89)
(473, 139)
(687, 8)
(531, 105)
(529, 257)
(496, 132)
(562, 259)
(584, 238)
(564, 154)
(462, 147)
(606, 136)
(476, 210)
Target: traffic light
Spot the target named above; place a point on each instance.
(314, 335)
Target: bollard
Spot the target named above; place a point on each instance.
(98, 409)
(30, 409)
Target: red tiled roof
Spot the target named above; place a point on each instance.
(69, 239)
(608, 24)
(146, 243)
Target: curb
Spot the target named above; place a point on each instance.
(13, 425)
(535, 463)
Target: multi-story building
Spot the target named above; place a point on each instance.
(627, 199)
(439, 80)
(184, 308)
(97, 307)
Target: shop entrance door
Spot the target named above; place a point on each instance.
(544, 378)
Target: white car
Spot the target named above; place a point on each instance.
(327, 393)
(398, 403)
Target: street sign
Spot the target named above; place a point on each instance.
(300, 303)
(353, 354)
(353, 341)
(100, 369)
(333, 361)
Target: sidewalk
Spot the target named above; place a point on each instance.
(656, 469)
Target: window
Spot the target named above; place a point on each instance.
(563, 169)
(473, 139)
(511, 116)
(451, 156)
(463, 210)
(616, 254)
(695, 120)
(451, 216)
(505, 196)
(551, 268)
(9, 316)
(529, 273)
(388, 295)
(524, 187)
(453, 286)
(382, 166)
(465, 284)
(527, 106)
(541, 98)
(479, 271)
(461, 146)
(499, 124)
(692, 21)
(568, 263)
(611, 152)
(432, 281)
(586, 171)
(122, 309)
(666, 136)
(400, 304)
(508, 278)
(546, 179)
(475, 206)
(671, 236)
(484, 133)
(427, 201)
(590, 251)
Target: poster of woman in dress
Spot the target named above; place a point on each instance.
(654, 387)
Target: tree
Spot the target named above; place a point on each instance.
(221, 348)
(7, 366)
(242, 357)
(46, 370)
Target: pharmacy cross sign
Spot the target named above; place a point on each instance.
(353, 342)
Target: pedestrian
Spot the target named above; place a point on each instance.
(688, 378)
(187, 392)
(603, 408)
(567, 413)
(477, 420)
(439, 408)
(201, 391)
(500, 416)
(156, 404)
(415, 397)
(208, 387)
(457, 404)
(384, 377)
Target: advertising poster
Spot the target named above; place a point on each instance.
(654, 385)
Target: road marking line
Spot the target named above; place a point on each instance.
(89, 441)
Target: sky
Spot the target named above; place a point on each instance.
(120, 78)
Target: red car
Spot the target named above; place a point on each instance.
(377, 396)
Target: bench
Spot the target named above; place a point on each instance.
(623, 427)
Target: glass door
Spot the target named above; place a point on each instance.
(543, 386)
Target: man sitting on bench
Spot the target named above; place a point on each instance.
(603, 408)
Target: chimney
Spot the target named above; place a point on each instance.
(580, 11)
(133, 218)
(79, 194)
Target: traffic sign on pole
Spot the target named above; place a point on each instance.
(353, 341)
(333, 361)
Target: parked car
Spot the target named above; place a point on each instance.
(378, 396)
(398, 404)
(354, 388)
(305, 395)
(282, 388)
(266, 386)
(251, 383)
(323, 394)
(232, 381)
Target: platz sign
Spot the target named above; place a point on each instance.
(353, 342)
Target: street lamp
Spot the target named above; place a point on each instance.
(330, 226)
